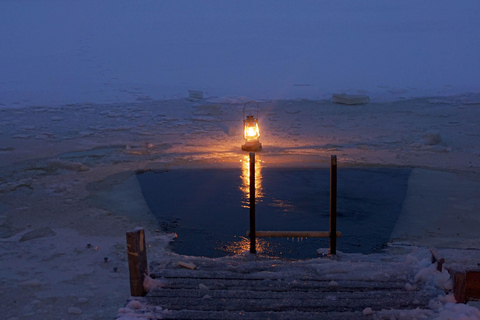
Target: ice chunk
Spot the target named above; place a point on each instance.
(14, 185)
(73, 166)
(367, 311)
(21, 136)
(333, 284)
(31, 283)
(82, 300)
(432, 139)
(195, 94)
(350, 99)
(37, 233)
(201, 286)
(134, 304)
(149, 283)
(409, 287)
(410, 259)
(187, 265)
(208, 110)
(74, 310)
(434, 304)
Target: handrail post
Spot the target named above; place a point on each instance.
(137, 261)
(333, 205)
(252, 204)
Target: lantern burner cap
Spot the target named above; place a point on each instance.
(252, 146)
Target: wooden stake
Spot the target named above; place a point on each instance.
(137, 261)
(459, 287)
(436, 259)
(333, 205)
(252, 204)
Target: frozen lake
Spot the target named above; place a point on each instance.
(91, 92)
(208, 208)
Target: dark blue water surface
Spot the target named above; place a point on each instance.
(208, 208)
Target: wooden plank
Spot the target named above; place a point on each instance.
(187, 265)
(472, 285)
(338, 293)
(137, 261)
(177, 275)
(293, 234)
(281, 304)
(268, 276)
(292, 314)
(279, 285)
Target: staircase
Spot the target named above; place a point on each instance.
(272, 289)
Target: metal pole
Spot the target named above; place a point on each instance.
(252, 204)
(333, 205)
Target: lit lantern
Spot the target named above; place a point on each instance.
(251, 133)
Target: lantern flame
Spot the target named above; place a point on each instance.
(251, 133)
(251, 130)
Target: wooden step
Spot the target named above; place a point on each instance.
(289, 315)
(235, 289)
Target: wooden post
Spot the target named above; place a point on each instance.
(472, 285)
(333, 205)
(436, 259)
(137, 261)
(252, 204)
(459, 287)
(467, 286)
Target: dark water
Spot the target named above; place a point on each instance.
(208, 208)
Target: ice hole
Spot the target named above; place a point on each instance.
(208, 208)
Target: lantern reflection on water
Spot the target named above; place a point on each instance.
(245, 187)
(264, 247)
(251, 132)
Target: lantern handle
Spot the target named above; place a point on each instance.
(246, 105)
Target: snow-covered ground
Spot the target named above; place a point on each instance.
(92, 91)
(68, 192)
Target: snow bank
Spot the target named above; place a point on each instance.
(451, 311)
(149, 283)
(434, 277)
